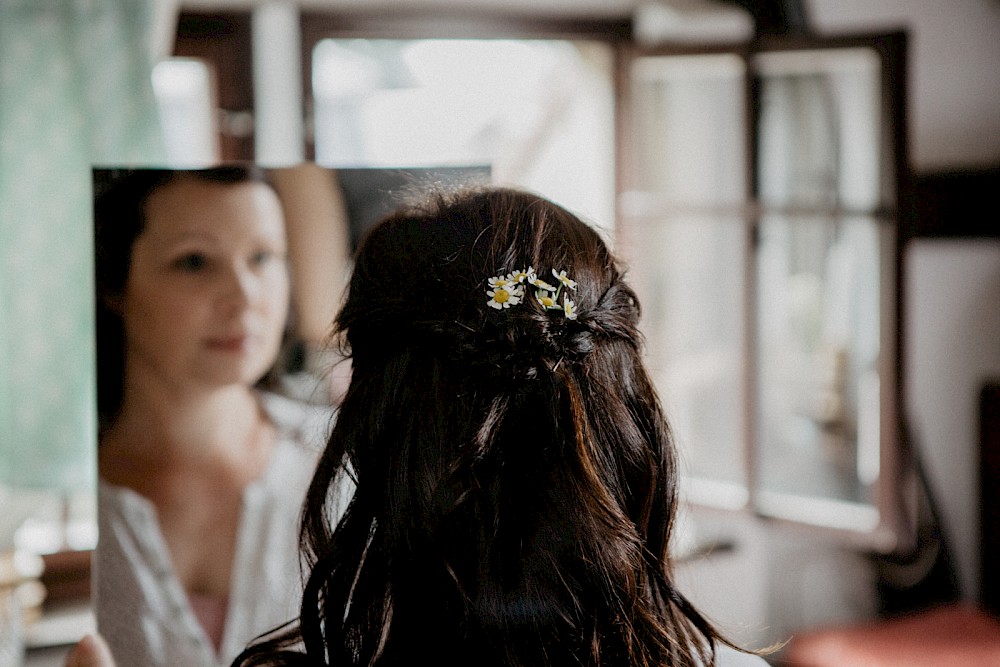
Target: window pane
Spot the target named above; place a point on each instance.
(683, 233)
(689, 129)
(184, 97)
(539, 113)
(822, 296)
(688, 273)
(820, 129)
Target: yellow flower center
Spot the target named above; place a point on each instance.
(500, 295)
(547, 301)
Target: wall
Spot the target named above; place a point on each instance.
(953, 287)
(954, 93)
(953, 327)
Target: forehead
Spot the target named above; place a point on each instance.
(187, 206)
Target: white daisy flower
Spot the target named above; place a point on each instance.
(569, 308)
(546, 298)
(564, 279)
(498, 281)
(504, 297)
(542, 285)
(520, 275)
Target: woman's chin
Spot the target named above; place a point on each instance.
(232, 372)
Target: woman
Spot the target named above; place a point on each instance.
(202, 475)
(516, 477)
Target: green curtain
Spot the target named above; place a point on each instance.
(75, 91)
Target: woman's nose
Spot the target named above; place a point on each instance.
(239, 287)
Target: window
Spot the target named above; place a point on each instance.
(538, 113)
(185, 99)
(755, 193)
(760, 215)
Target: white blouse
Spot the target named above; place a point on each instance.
(142, 609)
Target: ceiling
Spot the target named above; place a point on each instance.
(653, 20)
(597, 8)
(617, 8)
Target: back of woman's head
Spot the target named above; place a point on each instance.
(515, 476)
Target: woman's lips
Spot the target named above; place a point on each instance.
(238, 343)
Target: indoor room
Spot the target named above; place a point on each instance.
(801, 193)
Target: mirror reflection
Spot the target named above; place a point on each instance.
(216, 289)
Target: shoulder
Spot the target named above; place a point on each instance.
(302, 433)
(120, 506)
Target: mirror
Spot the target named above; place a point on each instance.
(204, 452)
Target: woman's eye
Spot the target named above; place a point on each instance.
(261, 257)
(191, 262)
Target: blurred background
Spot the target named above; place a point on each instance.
(804, 194)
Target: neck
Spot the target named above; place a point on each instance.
(181, 426)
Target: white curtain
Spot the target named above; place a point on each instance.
(75, 91)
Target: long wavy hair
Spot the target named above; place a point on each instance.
(515, 474)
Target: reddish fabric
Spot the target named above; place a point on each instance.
(954, 636)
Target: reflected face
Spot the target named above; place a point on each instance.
(207, 292)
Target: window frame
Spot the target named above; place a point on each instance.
(452, 24)
(229, 51)
(895, 496)
(223, 41)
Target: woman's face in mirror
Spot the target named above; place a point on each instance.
(207, 293)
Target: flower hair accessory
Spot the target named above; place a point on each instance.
(508, 290)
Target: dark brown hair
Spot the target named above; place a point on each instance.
(516, 476)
